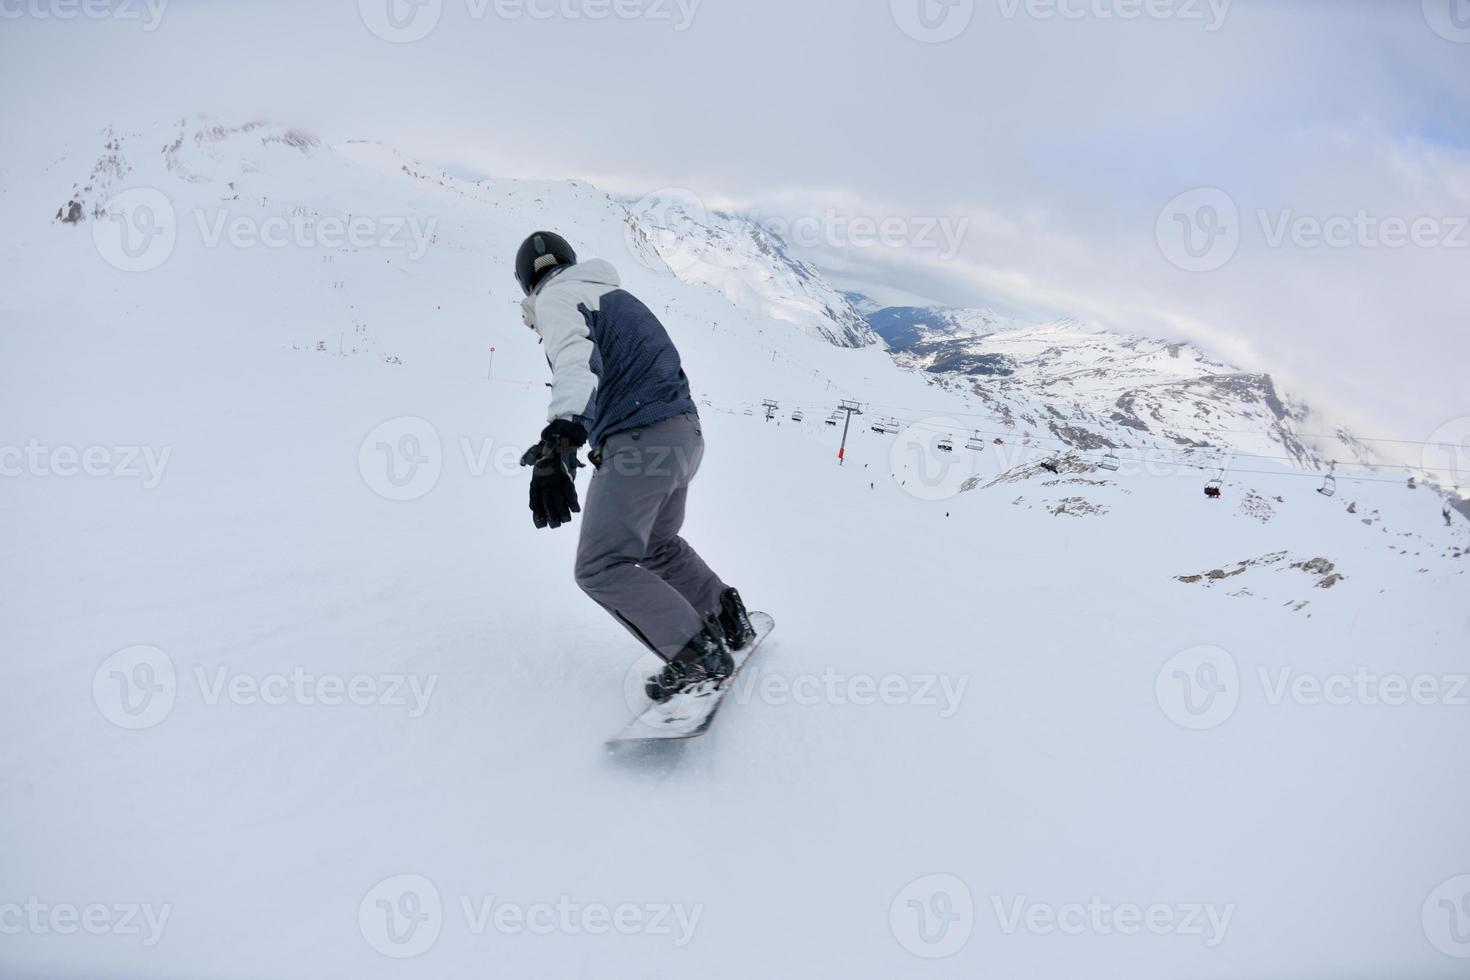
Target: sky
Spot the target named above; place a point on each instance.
(1285, 183)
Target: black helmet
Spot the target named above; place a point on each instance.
(539, 254)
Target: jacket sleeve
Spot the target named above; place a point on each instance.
(569, 350)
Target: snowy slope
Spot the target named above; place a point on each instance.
(242, 205)
(976, 711)
(750, 265)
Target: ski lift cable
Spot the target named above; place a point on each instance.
(1207, 450)
(1208, 467)
(1063, 445)
(1068, 447)
(1202, 466)
(1179, 428)
(1233, 453)
(1161, 455)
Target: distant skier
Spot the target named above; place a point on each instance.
(618, 385)
(1448, 522)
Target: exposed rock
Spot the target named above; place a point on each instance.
(70, 213)
(1318, 566)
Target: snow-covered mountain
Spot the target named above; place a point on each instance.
(750, 265)
(903, 326)
(217, 208)
(1082, 388)
(1090, 389)
(290, 667)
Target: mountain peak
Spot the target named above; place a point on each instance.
(750, 265)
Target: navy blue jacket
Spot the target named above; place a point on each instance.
(613, 366)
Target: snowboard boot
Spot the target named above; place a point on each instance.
(734, 620)
(704, 658)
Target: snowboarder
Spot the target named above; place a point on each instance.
(618, 386)
(1447, 521)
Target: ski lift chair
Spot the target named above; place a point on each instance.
(946, 445)
(1329, 482)
(976, 441)
(1110, 462)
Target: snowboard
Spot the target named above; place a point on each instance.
(690, 713)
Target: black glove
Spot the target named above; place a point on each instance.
(553, 490)
(554, 464)
(560, 435)
(564, 434)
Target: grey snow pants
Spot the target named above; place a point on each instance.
(630, 557)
